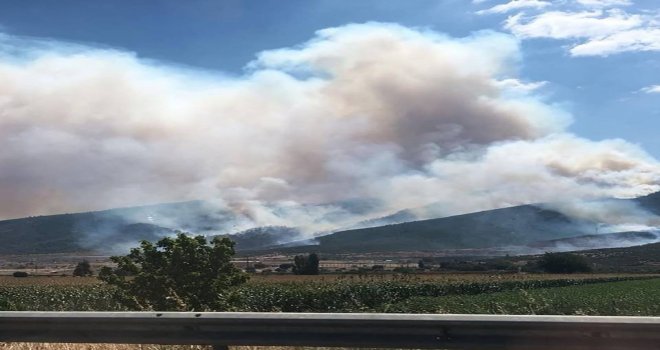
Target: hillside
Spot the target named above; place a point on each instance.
(636, 259)
(44, 234)
(263, 237)
(514, 226)
(71, 233)
(102, 231)
(507, 226)
(599, 241)
(115, 230)
(642, 259)
(650, 202)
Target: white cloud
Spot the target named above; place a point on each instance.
(599, 33)
(516, 85)
(630, 40)
(596, 27)
(652, 89)
(516, 5)
(571, 25)
(604, 3)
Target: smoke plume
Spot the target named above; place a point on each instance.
(405, 117)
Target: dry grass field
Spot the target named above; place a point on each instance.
(48, 281)
(434, 277)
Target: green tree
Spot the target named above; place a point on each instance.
(563, 263)
(313, 264)
(421, 264)
(306, 265)
(180, 274)
(83, 269)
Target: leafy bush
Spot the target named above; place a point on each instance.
(182, 273)
(83, 269)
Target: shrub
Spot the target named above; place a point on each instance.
(402, 269)
(83, 269)
(306, 265)
(563, 263)
(285, 266)
(182, 273)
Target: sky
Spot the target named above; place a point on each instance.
(113, 103)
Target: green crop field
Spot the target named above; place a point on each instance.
(508, 294)
(564, 294)
(373, 295)
(624, 298)
(57, 298)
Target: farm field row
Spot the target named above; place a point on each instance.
(435, 277)
(285, 278)
(367, 295)
(625, 298)
(48, 281)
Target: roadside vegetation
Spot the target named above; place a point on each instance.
(178, 274)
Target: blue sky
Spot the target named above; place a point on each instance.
(539, 98)
(603, 92)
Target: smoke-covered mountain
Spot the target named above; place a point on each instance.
(636, 259)
(105, 231)
(644, 258)
(522, 229)
(264, 237)
(596, 241)
(584, 225)
(507, 226)
(112, 231)
(650, 202)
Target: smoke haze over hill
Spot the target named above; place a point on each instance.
(403, 117)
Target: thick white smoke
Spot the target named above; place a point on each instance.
(405, 116)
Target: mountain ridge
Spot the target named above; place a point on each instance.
(113, 230)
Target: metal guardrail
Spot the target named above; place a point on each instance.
(334, 330)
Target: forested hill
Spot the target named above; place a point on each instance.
(492, 228)
(101, 231)
(519, 226)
